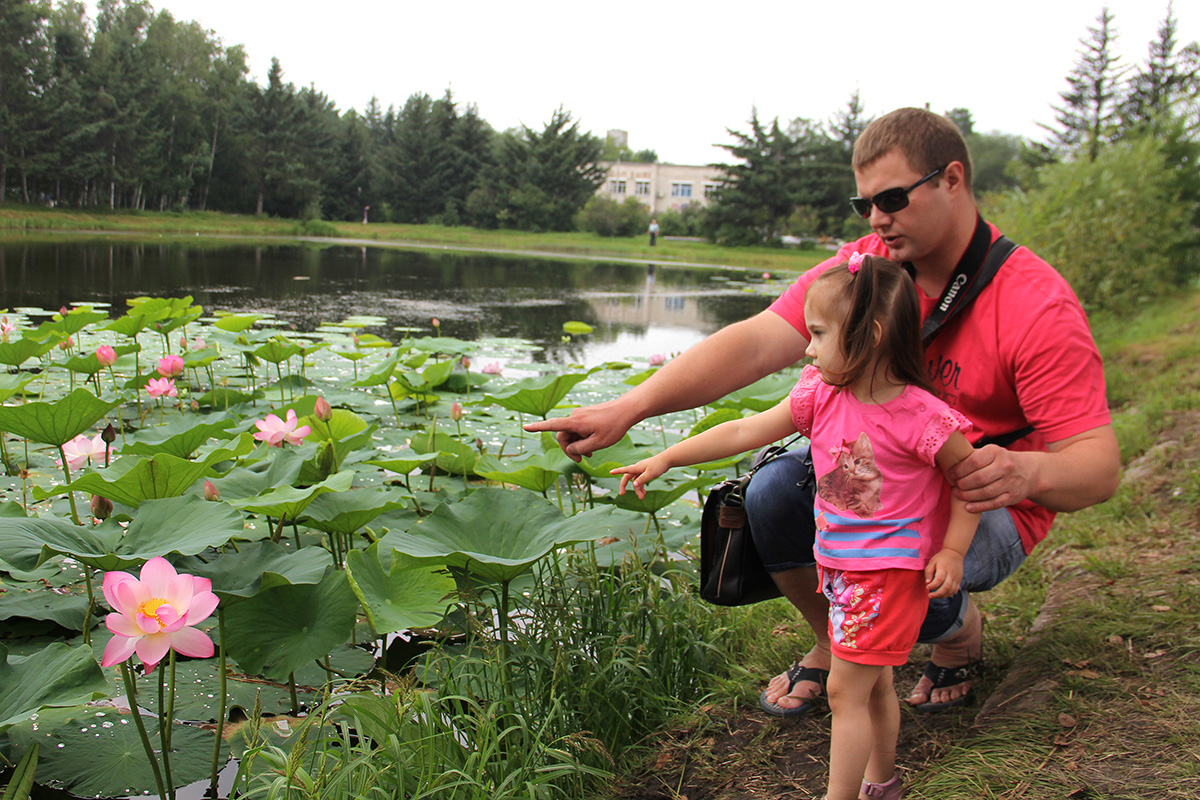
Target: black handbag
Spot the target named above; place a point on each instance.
(731, 571)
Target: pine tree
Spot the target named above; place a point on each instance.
(1166, 84)
(1088, 116)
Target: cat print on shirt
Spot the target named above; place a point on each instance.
(855, 482)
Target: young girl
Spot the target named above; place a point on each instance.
(889, 533)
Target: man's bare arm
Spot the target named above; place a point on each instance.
(731, 358)
(1073, 473)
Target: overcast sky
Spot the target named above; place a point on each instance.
(676, 75)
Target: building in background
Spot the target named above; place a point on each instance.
(659, 186)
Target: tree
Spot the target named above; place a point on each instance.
(756, 195)
(272, 129)
(541, 179)
(20, 23)
(1088, 117)
(1167, 82)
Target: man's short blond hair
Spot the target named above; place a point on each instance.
(927, 140)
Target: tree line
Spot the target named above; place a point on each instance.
(136, 110)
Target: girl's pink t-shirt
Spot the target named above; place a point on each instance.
(882, 502)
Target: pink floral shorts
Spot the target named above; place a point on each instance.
(874, 617)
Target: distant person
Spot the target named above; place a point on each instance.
(653, 232)
(889, 533)
(366, 211)
(1019, 357)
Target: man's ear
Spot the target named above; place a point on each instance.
(955, 176)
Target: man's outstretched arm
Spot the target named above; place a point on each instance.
(730, 359)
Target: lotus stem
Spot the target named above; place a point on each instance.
(70, 495)
(131, 694)
(216, 759)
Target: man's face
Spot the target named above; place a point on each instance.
(913, 232)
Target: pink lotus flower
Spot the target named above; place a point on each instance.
(456, 411)
(81, 448)
(275, 431)
(66, 344)
(210, 492)
(657, 360)
(466, 362)
(492, 368)
(156, 613)
(322, 410)
(106, 355)
(162, 387)
(6, 328)
(170, 366)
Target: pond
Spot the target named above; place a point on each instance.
(636, 309)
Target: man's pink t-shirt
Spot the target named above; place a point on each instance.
(1021, 354)
(882, 502)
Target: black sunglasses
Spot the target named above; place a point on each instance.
(889, 201)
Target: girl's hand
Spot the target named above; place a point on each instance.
(640, 473)
(943, 573)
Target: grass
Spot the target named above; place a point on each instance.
(17, 220)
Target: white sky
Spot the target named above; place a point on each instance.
(676, 75)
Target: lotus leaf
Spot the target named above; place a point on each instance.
(282, 628)
(411, 594)
(537, 396)
(57, 675)
(257, 566)
(56, 423)
(347, 512)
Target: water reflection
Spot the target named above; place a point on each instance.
(636, 310)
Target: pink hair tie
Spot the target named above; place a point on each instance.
(855, 261)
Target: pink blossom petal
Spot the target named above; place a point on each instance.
(157, 574)
(179, 593)
(147, 623)
(170, 619)
(203, 604)
(151, 649)
(201, 585)
(122, 625)
(111, 579)
(117, 650)
(130, 595)
(192, 642)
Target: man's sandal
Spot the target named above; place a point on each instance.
(796, 674)
(944, 678)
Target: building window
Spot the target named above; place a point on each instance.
(641, 188)
(617, 186)
(709, 190)
(681, 190)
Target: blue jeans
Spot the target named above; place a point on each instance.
(779, 506)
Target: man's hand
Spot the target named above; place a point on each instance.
(588, 429)
(1071, 474)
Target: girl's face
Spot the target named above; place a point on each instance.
(824, 333)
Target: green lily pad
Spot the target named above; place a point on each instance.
(14, 354)
(56, 423)
(257, 566)
(284, 627)
(409, 595)
(537, 396)
(537, 472)
(656, 499)
(236, 323)
(65, 610)
(13, 384)
(574, 327)
(348, 512)
(495, 534)
(55, 676)
(180, 437)
(289, 501)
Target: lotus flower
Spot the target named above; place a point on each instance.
(275, 431)
(456, 411)
(6, 328)
(155, 614)
(657, 360)
(492, 368)
(81, 448)
(106, 355)
(322, 410)
(210, 492)
(162, 387)
(170, 366)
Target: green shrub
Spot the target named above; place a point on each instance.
(1114, 227)
(688, 222)
(606, 217)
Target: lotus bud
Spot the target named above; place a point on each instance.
(322, 410)
(102, 507)
(436, 323)
(106, 355)
(210, 492)
(66, 344)
(195, 405)
(466, 362)
(183, 341)
(109, 434)
(456, 412)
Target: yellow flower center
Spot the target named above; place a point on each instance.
(150, 609)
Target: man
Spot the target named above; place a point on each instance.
(1020, 355)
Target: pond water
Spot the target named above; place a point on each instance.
(636, 309)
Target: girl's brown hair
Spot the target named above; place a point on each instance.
(882, 293)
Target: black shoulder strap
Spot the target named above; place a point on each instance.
(969, 279)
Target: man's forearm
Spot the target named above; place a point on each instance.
(1077, 472)
(730, 359)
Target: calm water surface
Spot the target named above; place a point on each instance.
(636, 309)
